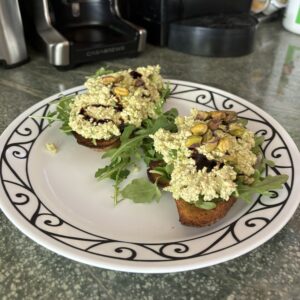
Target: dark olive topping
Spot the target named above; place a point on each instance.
(102, 121)
(93, 120)
(139, 82)
(86, 116)
(121, 126)
(118, 107)
(202, 161)
(99, 105)
(135, 74)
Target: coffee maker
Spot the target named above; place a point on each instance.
(72, 32)
(199, 27)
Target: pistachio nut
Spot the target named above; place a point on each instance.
(193, 140)
(224, 144)
(236, 130)
(207, 136)
(218, 115)
(202, 115)
(199, 129)
(108, 80)
(121, 91)
(211, 144)
(231, 116)
(214, 124)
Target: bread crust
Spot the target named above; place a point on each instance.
(191, 215)
(100, 145)
(156, 178)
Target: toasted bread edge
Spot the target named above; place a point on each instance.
(101, 145)
(191, 215)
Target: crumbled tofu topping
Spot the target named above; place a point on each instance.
(187, 183)
(172, 145)
(125, 97)
(51, 148)
(85, 114)
(217, 137)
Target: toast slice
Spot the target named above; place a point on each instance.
(191, 215)
(157, 178)
(100, 145)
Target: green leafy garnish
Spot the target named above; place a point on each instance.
(257, 147)
(112, 170)
(164, 94)
(141, 191)
(164, 171)
(63, 110)
(242, 121)
(62, 114)
(135, 144)
(261, 185)
(149, 153)
(207, 205)
(102, 71)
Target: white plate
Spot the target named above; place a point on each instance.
(55, 200)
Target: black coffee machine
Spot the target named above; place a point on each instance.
(79, 31)
(199, 27)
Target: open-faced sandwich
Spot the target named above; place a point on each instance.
(211, 160)
(113, 100)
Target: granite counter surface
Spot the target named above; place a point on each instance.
(269, 78)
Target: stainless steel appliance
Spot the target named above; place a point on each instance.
(13, 50)
(77, 31)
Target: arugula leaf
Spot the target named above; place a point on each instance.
(165, 121)
(259, 140)
(51, 117)
(62, 113)
(135, 144)
(102, 71)
(118, 177)
(207, 205)
(164, 94)
(269, 163)
(149, 153)
(63, 110)
(163, 171)
(261, 186)
(141, 191)
(110, 170)
(109, 153)
(257, 147)
(128, 130)
(242, 121)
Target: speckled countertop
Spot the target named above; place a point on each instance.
(269, 78)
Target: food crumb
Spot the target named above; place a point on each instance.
(136, 168)
(51, 148)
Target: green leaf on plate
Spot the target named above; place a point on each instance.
(141, 191)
